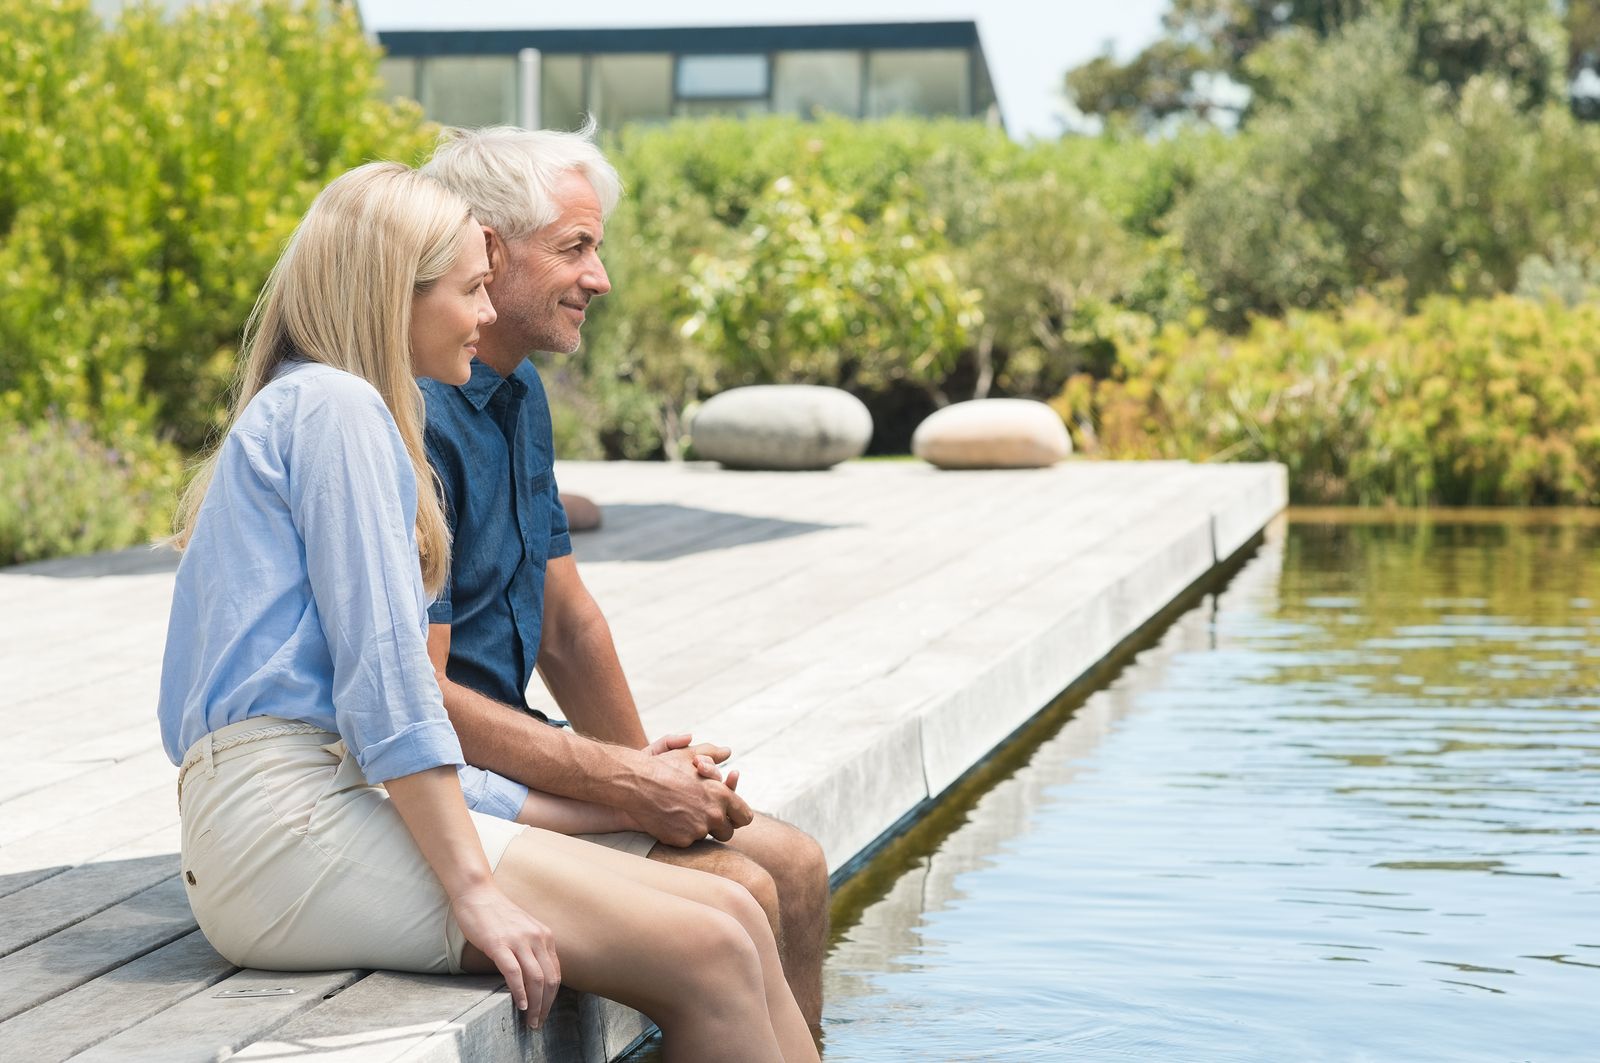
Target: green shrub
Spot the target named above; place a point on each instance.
(935, 256)
(63, 492)
(1481, 402)
(152, 171)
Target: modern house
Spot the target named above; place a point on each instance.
(553, 77)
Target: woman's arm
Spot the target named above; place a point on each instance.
(519, 946)
(568, 815)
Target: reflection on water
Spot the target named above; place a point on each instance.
(1344, 809)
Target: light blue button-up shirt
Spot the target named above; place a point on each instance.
(299, 595)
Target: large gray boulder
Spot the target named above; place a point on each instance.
(992, 434)
(781, 426)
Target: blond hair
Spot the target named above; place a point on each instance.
(508, 175)
(341, 295)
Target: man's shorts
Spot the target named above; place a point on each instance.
(636, 842)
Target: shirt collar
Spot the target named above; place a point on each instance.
(525, 374)
(480, 388)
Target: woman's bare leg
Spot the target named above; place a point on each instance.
(693, 969)
(793, 1032)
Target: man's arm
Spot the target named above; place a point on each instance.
(578, 660)
(665, 794)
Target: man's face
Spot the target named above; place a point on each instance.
(544, 283)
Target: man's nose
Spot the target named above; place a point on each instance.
(595, 281)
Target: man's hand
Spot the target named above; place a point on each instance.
(706, 755)
(678, 803)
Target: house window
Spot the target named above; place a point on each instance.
(630, 88)
(806, 83)
(561, 91)
(928, 82)
(470, 90)
(722, 77)
(399, 77)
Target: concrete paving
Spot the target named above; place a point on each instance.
(861, 637)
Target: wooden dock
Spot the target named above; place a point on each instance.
(860, 637)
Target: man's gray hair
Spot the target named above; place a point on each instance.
(508, 175)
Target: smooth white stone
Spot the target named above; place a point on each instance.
(782, 427)
(992, 434)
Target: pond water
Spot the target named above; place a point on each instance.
(1344, 807)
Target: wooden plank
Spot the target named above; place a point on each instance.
(581, 1027)
(833, 569)
(813, 596)
(89, 949)
(82, 789)
(34, 913)
(675, 523)
(85, 1016)
(60, 845)
(877, 634)
(101, 732)
(639, 585)
(204, 1026)
(731, 592)
(381, 1018)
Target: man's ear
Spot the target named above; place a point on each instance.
(493, 247)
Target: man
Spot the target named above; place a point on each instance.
(516, 601)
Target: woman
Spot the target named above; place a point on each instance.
(323, 821)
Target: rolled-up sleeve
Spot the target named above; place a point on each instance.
(560, 535)
(352, 497)
(491, 794)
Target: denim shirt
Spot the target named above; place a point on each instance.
(299, 594)
(490, 442)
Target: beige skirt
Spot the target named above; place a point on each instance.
(292, 861)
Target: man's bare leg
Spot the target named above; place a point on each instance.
(786, 872)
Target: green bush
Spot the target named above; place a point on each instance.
(152, 170)
(1490, 401)
(62, 491)
(1359, 171)
(935, 256)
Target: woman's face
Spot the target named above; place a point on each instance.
(446, 318)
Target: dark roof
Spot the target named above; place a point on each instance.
(691, 39)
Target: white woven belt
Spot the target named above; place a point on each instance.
(205, 749)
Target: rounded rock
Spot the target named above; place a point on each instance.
(582, 514)
(786, 427)
(992, 434)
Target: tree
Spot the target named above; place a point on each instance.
(1312, 208)
(150, 171)
(1522, 41)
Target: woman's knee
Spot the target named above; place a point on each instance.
(719, 954)
(750, 894)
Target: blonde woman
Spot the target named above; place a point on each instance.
(323, 819)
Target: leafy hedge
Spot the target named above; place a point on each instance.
(936, 259)
(150, 172)
(62, 491)
(1491, 401)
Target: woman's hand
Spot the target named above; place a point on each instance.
(520, 947)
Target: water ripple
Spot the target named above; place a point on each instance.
(1371, 758)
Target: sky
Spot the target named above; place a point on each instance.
(1029, 44)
